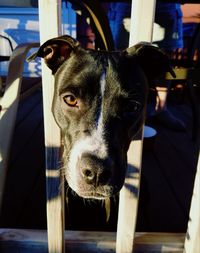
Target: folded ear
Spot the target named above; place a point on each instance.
(55, 51)
(153, 60)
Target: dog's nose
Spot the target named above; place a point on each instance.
(96, 177)
(94, 170)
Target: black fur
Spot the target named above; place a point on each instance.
(78, 71)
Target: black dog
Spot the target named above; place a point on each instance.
(98, 104)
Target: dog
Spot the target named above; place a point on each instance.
(99, 103)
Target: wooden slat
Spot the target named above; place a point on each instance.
(50, 26)
(129, 195)
(33, 241)
(192, 240)
(142, 28)
(9, 103)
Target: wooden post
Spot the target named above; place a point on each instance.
(50, 26)
(192, 240)
(9, 104)
(141, 30)
(142, 19)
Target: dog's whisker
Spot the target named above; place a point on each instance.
(115, 198)
(61, 186)
(67, 194)
(62, 170)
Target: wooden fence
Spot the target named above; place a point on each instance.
(125, 240)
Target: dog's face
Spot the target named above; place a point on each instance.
(98, 103)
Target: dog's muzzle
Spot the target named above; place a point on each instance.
(90, 174)
(93, 177)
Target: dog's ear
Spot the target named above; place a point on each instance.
(55, 51)
(152, 59)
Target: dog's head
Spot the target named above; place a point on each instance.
(98, 103)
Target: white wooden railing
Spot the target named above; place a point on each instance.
(126, 239)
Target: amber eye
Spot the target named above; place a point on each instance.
(70, 100)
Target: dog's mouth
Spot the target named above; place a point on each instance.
(100, 193)
(94, 195)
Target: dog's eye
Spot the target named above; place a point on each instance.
(70, 100)
(132, 110)
(134, 106)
